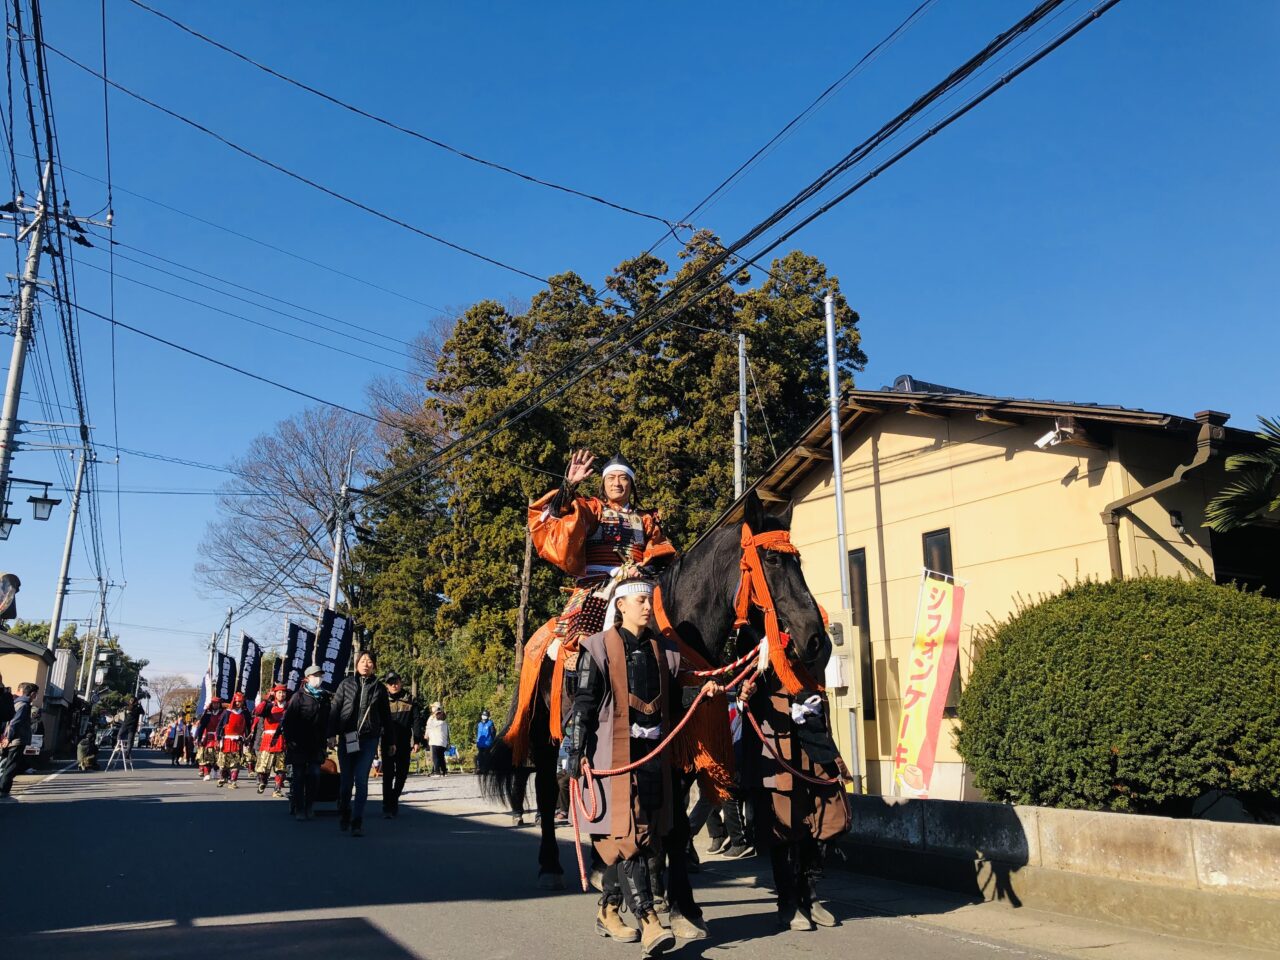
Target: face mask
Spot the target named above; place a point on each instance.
(313, 683)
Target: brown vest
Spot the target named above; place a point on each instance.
(613, 730)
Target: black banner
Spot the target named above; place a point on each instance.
(299, 654)
(225, 684)
(250, 668)
(333, 647)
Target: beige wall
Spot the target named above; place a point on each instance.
(18, 668)
(1023, 523)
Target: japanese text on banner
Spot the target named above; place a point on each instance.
(933, 659)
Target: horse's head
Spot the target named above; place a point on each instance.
(798, 613)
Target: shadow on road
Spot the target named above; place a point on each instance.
(304, 940)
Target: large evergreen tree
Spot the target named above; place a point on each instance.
(438, 567)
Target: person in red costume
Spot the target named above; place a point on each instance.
(267, 719)
(207, 737)
(591, 538)
(233, 740)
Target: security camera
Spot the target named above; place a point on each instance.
(1050, 439)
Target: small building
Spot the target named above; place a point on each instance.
(1014, 498)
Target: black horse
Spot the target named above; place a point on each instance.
(698, 593)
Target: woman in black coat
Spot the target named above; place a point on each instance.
(361, 711)
(305, 729)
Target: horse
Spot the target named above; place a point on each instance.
(698, 593)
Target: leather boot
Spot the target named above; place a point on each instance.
(609, 923)
(654, 937)
(812, 907)
(687, 928)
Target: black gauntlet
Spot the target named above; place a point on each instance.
(586, 710)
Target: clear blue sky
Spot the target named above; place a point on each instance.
(1103, 230)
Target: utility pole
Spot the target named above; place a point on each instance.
(837, 452)
(740, 423)
(55, 622)
(226, 642)
(24, 332)
(93, 657)
(522, 613)
(340, 531)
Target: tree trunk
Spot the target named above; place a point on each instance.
(522, 614)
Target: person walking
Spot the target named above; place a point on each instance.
(207, 737)
(16, 737)
(267, 718)
(304, 729)
(397, 742)
(360, 712)
(234, 747)
(438, 738)
(486, 733)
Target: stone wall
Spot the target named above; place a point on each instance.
(1214, 881)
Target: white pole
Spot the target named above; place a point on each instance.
(837, 454)
(340, 532)
(55, 622)
(23, 335)
(740, 424)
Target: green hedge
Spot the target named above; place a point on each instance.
(1135, 695)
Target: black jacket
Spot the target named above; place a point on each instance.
(306, 724)
(406, 719)
(346, 701)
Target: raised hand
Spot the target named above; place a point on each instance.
(579, 467)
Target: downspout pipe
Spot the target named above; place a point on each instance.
(1208, 446)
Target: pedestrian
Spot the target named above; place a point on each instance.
(359, 714)
(397, 742)
(486, 733)
(16, 737)
(438, 738)
(207, 737)
(87, 751)
(129, 727)
(267, 719)
(562, 784)
(233, 741)
(305, 728)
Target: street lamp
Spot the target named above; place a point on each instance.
(42, 505)
(7, 523)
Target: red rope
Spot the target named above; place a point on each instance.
(820, 781)
(589, 776)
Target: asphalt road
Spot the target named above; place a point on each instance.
(158, 864)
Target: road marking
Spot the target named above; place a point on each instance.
(52, 776)
(110, 927)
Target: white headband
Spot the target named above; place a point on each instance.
(631, 587)
(618, 468)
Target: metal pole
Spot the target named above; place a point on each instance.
(226, 643)
(93, 657)
(837, 454)
(23, 335)
(740, 423)
(55, 622)
(340, 532)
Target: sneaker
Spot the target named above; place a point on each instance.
(235, 785)
(718, 845)
(222, 783)
(738, 852)
(517, 820)
(262, 788)
(277, 794)
(206, 778)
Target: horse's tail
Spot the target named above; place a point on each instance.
(506, 775)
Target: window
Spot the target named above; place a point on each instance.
(937, 557)
(861, 611)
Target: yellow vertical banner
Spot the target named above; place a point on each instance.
(933, 659)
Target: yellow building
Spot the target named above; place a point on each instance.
(1016, 499)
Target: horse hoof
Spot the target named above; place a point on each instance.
(550, 881)
(687, 929)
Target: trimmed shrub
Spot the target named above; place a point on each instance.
(1136, 695)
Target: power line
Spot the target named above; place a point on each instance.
(111, 284)
(513, 413)
(359, 111)
(800, 117)
(262, 243)
(165, 458)
(302, 178)
(258, 323)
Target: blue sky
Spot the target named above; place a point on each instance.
(1105, 229)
